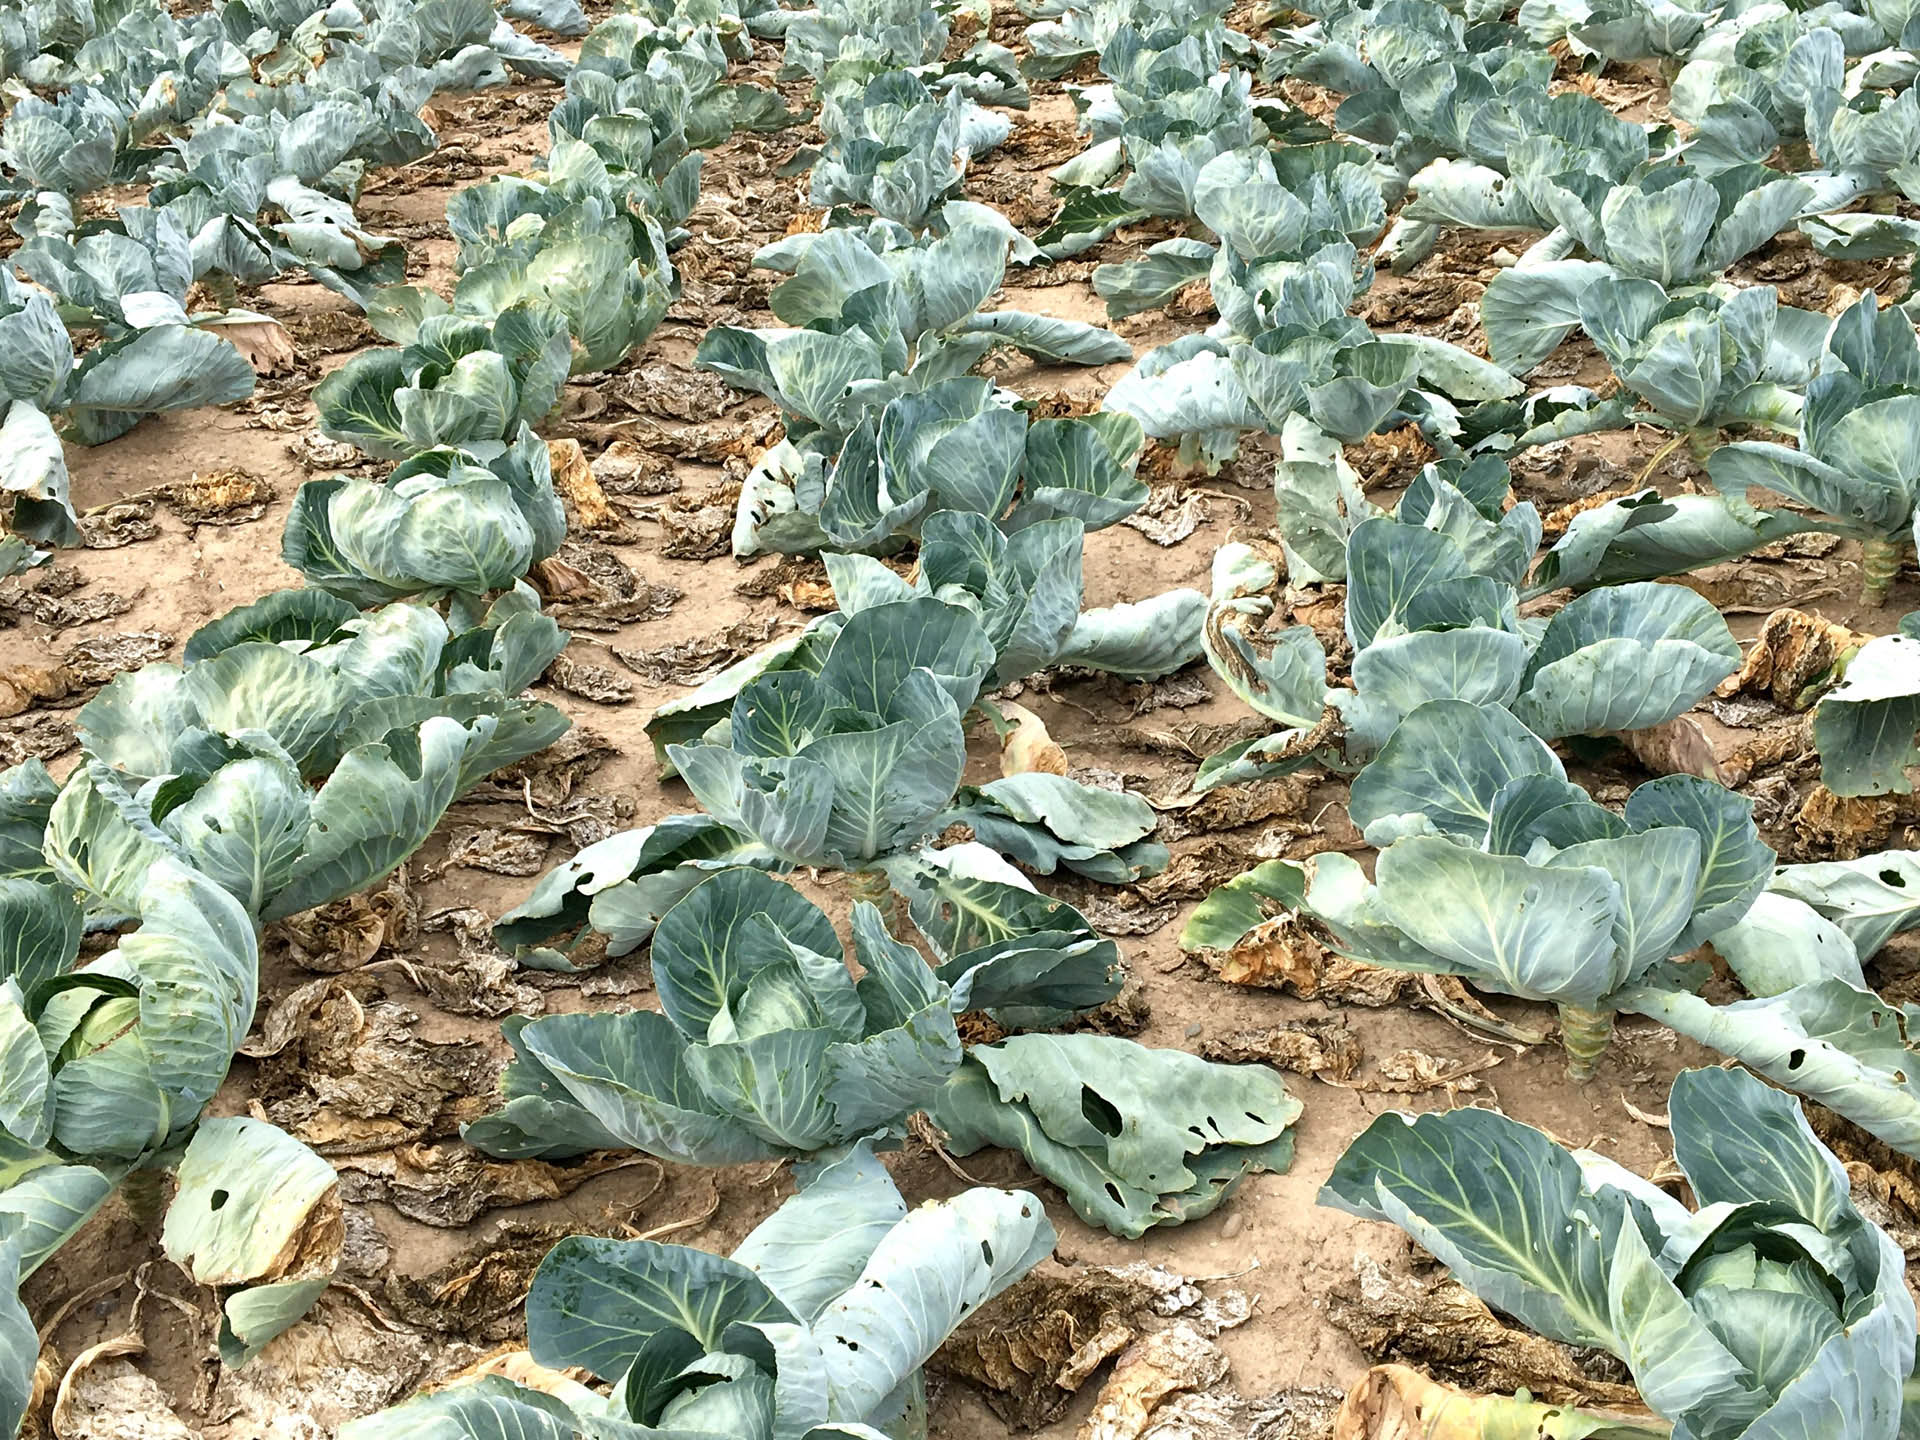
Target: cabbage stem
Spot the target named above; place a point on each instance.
(873, 887)
(1879, 563)
(144, 1193)
(1586, 1035)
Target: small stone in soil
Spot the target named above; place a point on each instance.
(1194, 1029)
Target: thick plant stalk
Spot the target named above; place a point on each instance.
(144, 1192)
(221, 288)
(1879, 563)
(1586, 1035)
(873, 887)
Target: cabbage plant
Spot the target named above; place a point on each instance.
(1460, 107)
(248, 223)
(892, 34)
(816, 1328)
(1025, 588)
(1432, 613)
(302, 751)
(442, 524)
(1167, 109)
(68, 146)
(107, 1070)
(1771, 1310)
(766, 1046)
(584, 242)
(896, 148)
(853, 765)
(1288, 351)
(100, 397)
(1268, 208)
(844, 748)
(631, 67)
(460, 381)
(959, 446)
(1077, 30)
(1868, 391)
(1669, 224)
(1703, 360)
(876, 314)
(1617, 29)
(1496, 868)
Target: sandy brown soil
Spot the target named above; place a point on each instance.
(384, 1047)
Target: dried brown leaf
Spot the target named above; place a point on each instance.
(1443, 1327)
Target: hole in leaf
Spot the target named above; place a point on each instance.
(1893, 878)
(1114, 1191)
(1099, 1112)
(986, 1252)
(1796, 1059)
(218, 1200)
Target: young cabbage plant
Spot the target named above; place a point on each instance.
(1618, 30)
(842, 749)
(1078, 30)
(132, 276)
(1778, 80)
(1461, 110)
(460, 382)
(896, 148)
(100, 397)
(1495, 868)
(766, 1046)
(1267, 208)
(247, 225)
(1137, 1138)
(302, 751)
(1432, 614)
(895, 34)
(1771, 1309)
(1024, 590)
(630, 69)
(1871, 358)
(853, 766)
(321, 136)
(1670, 224)
(1871, 144)
(877, 314)
(1169, 108)
(466, 45)
(69, 146)
(1850, 465)
(107, 1070)
(844, 44)
(1704, 360)
(585, 243)
(816, 1328)
(1291, 352)
(443, 525)
(960, 446)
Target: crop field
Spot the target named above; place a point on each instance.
(936, 719)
